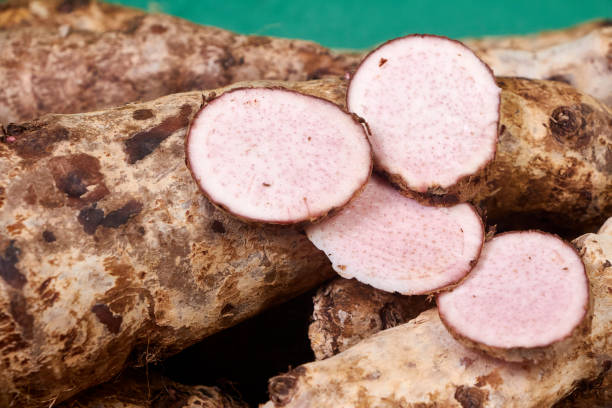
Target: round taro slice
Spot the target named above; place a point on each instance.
(528, 290)
(277, 156)
(393, 243)
(432, 107)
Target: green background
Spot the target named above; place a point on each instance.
(355, 24)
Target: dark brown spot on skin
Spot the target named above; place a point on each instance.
(158, 29)
(142, 114)
(470, 397)
(68, 6)
(106, 317)
(493, 379)
(282, 387)
(35, 141)
(144, 143)
(74, 174)
(8, 271)
(13, 129)
(18, 310)
(72, 184)
(68, 339)
(560, 78)
(90, 218)
(119, 217)
(48, 236)
(30, 197)
(382, 62)
(266, 184)
(257, 41)
(217, 227)
(567, 125)
(228, 61)
(228, 309)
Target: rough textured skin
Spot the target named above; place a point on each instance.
(108, 247)
(90, 15)
(419, 364)
(553, 167)
(347, 311)
(579, 56)
(50, 69)
(137, 389)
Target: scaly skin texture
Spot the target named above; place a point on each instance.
(89, 15)
(107, 248)
(137, 389)
(579, 56)
(553, 166)
(347, 311)
(420, 364)
(47, 69)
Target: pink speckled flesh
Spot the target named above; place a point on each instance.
(395, 244)
(529, 289)
(432, 107)
(274, 155)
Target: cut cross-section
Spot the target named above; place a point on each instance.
(529, 290)
(277, 156)
(393, 243)
(433, 109)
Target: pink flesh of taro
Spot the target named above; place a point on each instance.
(277, 156)
(395, 244)
(529, 289)
(432, 107)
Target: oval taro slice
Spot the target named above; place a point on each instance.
(432, 107)
(393, 243)
(277, 156)
(528, 291)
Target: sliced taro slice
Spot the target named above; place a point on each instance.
(528, 291)
(432, 107)
(393, 243)
(277, 156)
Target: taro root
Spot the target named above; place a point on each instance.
(553, 166)
(420, 363)
(528, 291)
(579, 56)
(108, 248)
(277, 156)
(46, 69)
(393, 243)
(432, 108)
(347, 311)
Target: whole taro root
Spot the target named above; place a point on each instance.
(108, 248)
(48, 68)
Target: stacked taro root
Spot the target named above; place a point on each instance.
(112, 256)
